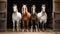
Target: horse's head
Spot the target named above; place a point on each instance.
(43, 8)
(33, 9)
(24, 9)
(15, 8)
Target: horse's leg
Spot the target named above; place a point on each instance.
(23, 25)
(41, 24)
(45, 24)
(13, 25)
(36, 25)
(17, 25)
(20, 25)
(31, 26)
(27, 26)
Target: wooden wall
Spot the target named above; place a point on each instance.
(3, 15)
(56, 15)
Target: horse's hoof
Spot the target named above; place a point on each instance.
(23, 30)
(31, 30)
(38, 30)
(13, 30)
(27, 30)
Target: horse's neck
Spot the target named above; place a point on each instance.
(42, 13)
(33, 14)
(24, 14)
(17, 13)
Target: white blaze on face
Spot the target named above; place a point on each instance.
(15, 8)
(33, 8)
(43, 8)
(24, 9)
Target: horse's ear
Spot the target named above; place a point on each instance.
(13, 5)
(43, 5)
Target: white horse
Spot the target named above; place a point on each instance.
(16, 17)
(42, 16)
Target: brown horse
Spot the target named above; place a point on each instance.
(25, 17)
(34, 19)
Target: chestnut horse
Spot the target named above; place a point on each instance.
(25, 17)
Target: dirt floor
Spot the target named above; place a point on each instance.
(29, 32)
(48, 31)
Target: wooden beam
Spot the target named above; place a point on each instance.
(57, 1)
(2, 1)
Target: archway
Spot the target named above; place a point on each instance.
(29, 3)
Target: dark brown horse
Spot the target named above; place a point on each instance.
(25, 17)
(34, 19)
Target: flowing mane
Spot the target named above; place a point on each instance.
(25, 17)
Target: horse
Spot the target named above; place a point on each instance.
(42, 16)
(16, 17)
(33, 19)
(25, 17)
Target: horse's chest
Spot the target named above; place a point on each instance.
(16, 17)
(33, 17)
(25, 17)
(44, 17)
